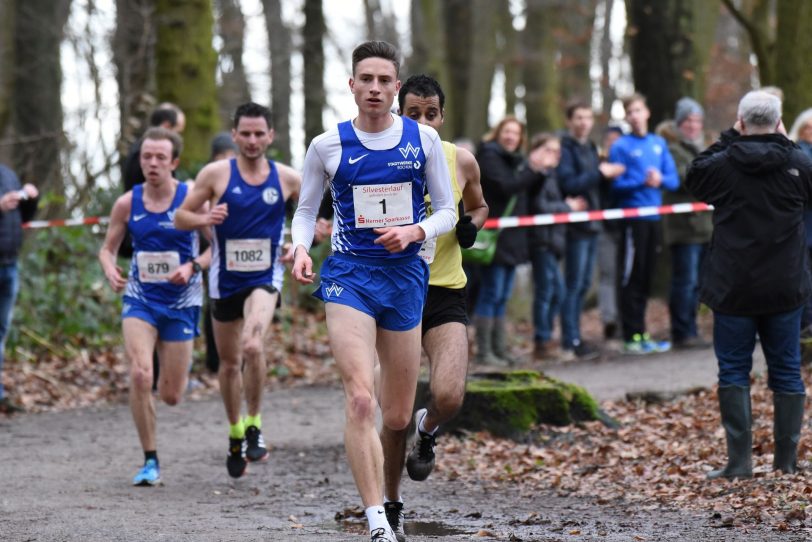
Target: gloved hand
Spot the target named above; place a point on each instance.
(466, 231)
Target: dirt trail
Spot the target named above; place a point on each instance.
(66, 478)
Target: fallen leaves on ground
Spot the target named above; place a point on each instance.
(658, 457)
(297, 349)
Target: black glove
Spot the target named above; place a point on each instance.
(466, 232)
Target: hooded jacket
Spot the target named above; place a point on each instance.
(500, 182)
(759, 186)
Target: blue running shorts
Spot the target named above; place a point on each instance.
(390, 290)
(172, 324)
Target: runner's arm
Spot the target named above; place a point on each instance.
(473, 201)
(304, 219)
(438, 179)
(291, 181)
(116, 230)
(313, 180)
(188, 215)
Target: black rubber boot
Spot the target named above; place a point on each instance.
(734, 405)
(787, 420)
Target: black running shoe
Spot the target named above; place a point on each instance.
(420, 461)
(255, 444)
(394, 515)
(235, 462)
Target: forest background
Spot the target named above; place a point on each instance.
(78, 79)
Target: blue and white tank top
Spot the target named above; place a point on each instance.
(158, 248)
(246, 247)
(375, 189)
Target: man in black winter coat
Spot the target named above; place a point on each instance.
(755, 277)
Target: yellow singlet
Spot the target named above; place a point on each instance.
(446, 269)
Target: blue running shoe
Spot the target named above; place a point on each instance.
(149, 475)
(638, 346)
(657, 346)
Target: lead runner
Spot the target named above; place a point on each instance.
(374, 286)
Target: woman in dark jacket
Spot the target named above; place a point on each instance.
(499, 158)
(547, 243)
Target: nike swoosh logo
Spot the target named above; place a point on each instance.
(136, 218)
(354, 160)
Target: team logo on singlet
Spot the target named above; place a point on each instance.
(169, 224)
(409, 150)
(406, 163)
(270, 195)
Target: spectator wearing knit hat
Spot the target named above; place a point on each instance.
(687, 235)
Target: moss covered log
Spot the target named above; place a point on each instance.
(510, 404)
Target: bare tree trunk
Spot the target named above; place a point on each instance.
(731, 75)
(756, 16)
(6, 77)
(37, 113)
(134, 57)
(608, 94)
(481, 67)
(669, 43)
(185, 71)
(281, 46)
(457, 15)
(380, 24)
(509, 57)
(541, 76)
(313, 53)
(234, 88)
(576, 22)
(792, 46)
(429, 54)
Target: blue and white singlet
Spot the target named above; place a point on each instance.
(158, 248)
(377, 188)
(246, 247)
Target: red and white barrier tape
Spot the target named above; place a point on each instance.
(491, 223)
(35, 224)
(590, 216)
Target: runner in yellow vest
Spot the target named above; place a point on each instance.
(444, 314)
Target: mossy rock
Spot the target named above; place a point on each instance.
(509, 404)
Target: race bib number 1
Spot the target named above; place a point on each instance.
(244, 255)
(156, 266)
(381, 205)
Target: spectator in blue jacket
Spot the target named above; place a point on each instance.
(649, 169)
(17, 205)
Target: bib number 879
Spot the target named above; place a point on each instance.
(159, 268)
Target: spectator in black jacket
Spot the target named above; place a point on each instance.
(580, 174)
(17, 205)
(755, 277)
(499, 158)
(547, 243)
